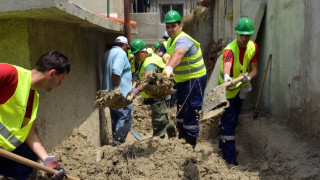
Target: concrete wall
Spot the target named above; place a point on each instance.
(67, 107)
(290, 32)
(226, 14)
(148, 25)
(100, 6)
(188, 5)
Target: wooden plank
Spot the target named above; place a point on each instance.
(228, 21)
(215, 21)
(236, 15)
(221, 14)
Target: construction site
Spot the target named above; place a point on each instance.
(278, 131)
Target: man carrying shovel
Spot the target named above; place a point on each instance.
(236, 58)
(116, 74)
(152, 63)
(190, 75)
(19, 102)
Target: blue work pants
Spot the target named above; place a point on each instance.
(189, 103)
(121, 123)
(9, 168)
(229, 120)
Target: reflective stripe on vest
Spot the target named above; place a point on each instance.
(6, 134)
(238, 69)
(190, 67)
(153, 59)
(12, 113)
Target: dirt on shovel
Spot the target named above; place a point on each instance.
(113, 99)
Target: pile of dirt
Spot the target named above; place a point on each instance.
(154, 158)
(151, 158)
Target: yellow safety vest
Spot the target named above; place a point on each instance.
(237, 67)
(149, 50)
(132, 62)
(12, 113)
(190, 67)
(153, 59)
(165, 43)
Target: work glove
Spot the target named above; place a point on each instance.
(134, 92)
(52, 162)
(246, 78)
(244, 91)
(166, 58)
(167, 71)
(227, 78)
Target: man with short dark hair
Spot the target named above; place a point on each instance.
(19, 102)
(190, 75)
(116, 74)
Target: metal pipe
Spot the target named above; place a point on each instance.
(127, 20)
(108, 8)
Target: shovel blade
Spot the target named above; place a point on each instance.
(215, 102)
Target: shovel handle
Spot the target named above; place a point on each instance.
(28, 162)
(130, 97)
(234, 80)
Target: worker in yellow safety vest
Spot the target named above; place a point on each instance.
(19, 102)
(190, 75)
(163, 46)
(152, 63)
(237, 58)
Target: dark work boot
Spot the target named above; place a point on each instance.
(171, 131)
(192, 141)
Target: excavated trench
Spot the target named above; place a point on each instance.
(267, 150)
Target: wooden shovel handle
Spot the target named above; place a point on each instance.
(28, 162)
(131, 95)
(234, 80)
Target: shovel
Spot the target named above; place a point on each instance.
(27, 162)
(216, 101)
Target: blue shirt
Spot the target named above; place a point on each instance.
(115, 61)
(186, 44)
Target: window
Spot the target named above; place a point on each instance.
(164, 8)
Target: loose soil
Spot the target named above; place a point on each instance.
(154, 158)
(113, 99)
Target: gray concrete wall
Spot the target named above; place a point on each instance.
(67, 107)
(100, 6)
(148, 25)
(290, 32)
(226, 14)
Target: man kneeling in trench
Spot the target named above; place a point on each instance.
(150, 63)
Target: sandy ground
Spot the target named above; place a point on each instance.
(281, 155)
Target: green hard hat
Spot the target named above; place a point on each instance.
(137, 45)
(244, 26)
(156, 45)
(172, 16)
